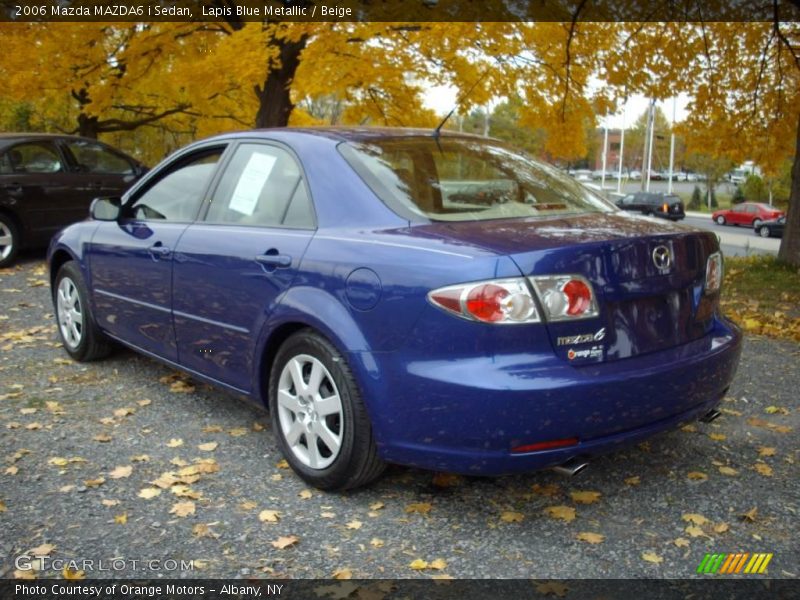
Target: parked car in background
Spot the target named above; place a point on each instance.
(403, 296)
(749, 214)
(636, 175)
(49, 181)
(659, 204)
(771, 228)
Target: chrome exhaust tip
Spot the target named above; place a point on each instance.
(571, 468)
(710, 416)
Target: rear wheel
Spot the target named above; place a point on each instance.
(720, 220)
(9, 241)
(81, 337)
(318, 416)
(764, 231)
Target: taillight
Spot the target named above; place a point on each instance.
(713, 273)
(509, 301)
(502, 301)
(565, 297)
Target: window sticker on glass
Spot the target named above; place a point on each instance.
(251, 182)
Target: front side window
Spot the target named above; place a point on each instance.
(34, 157)
(177, 194)
(94, 158)
(465, 179)
(263, 186)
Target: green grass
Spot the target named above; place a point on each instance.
(723, 200)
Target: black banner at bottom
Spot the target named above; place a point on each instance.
(388, 589)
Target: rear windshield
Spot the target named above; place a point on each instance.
(465, 179)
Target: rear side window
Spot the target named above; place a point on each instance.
(34, 157)
(465, 179)
(177, 193)
(263, 186)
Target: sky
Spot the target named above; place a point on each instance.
(442, 99)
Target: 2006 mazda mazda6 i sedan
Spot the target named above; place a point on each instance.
(403, 296)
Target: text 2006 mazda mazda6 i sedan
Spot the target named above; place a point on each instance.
(403, 296)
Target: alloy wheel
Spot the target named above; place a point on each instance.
(6, 241)
(70, 315)
(310, 411)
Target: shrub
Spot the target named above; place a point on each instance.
(738, 195)
(697, 198)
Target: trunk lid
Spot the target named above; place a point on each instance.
(646, 303)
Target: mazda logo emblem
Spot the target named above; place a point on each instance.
(662, 258)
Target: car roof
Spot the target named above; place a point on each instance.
(29, 135)
(355, 134)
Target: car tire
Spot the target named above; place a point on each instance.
(80, 335)
(9, 241)
(756, 223)
(763, 231)
(319, 419)
(720, 220)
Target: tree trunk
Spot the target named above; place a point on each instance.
(790, 244)
(88, 126)
(274, 98)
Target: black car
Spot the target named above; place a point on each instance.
(49, 181)
(668, 206)
(771, 228)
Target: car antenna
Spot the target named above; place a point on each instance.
(437, 131)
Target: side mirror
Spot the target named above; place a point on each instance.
(105, 209)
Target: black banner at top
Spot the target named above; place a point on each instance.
(332, 11)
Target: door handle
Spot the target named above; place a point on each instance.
(273, 259)
(158, 250)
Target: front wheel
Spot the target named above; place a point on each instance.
(318, 416)
(764, 231)
(756, 223)
(720, 220)
(80, 335)
(9, 241)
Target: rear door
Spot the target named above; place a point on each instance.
(131, 259)
(36, 184)
(232, 267)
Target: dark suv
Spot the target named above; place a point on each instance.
(668, 206)
(49, 181)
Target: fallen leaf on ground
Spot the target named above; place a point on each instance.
(12, 470)
(140, 458)
(94, 482)
(681, 542)
(422, 508)
(121, 519)
(763, 468)
(652, 557)
(175, 442)
(696, 476)
(102, 437)
(695, 518)
(750, 515)
(592, 538)
(445, 480)
(633, 481)
(376, 506)
(343, 574)
(585, 497)
(285, 541)
(238, 431)
(183, 509)
(209, 447)
(418, 564)
(354, 525)
(42, 550)
(145, 402)
(376, 543)
(73, 574)
(718, 437)
(203, 530)
(58, 461)
(121, 472)
(247, 505)
(550, 490)
(721, 527)
(124, 412)
(695, 531)
(730, 472)
(149, 492)
(766, 451)
(771, 410)
(565, 513)
(282, 464)
(305, 494)
(181, 387)
(510, 516)
(268, 516)
(439, 564)
(109, 503)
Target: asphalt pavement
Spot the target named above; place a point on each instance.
(125, 459)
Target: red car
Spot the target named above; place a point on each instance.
(751, 214)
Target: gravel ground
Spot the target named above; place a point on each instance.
(82, 445)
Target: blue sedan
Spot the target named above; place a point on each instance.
(403, 296)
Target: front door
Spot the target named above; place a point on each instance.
(231, 268)
(131, 259)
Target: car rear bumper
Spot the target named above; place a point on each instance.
(467, 415)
